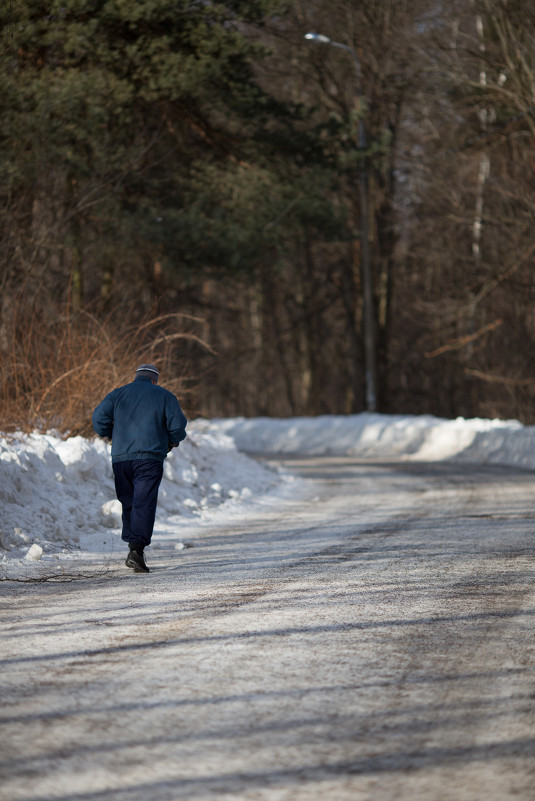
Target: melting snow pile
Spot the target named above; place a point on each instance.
(57, 496)
(424, 438)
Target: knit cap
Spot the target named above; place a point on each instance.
(148, 371)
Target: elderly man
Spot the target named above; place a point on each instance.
(144, 421)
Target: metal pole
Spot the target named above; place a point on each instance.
(368, 312)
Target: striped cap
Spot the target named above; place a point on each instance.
(148, 370)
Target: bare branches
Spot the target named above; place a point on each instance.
(463, 342)
(56, 370)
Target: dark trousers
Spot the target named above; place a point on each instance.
(136, 484)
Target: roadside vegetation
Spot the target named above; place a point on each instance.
(179, 181)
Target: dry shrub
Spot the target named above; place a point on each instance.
(54, 372)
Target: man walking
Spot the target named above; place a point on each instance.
(144, 421)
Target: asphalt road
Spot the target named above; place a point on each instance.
(371, 637)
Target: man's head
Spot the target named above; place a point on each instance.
(148, 371)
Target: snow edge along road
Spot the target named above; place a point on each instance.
(57, 500)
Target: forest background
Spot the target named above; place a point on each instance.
(181, 182)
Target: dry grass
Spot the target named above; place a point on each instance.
(53, 372)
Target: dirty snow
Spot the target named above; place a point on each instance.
(57, 499)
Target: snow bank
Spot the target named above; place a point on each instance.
(424, 438)
(57, 496)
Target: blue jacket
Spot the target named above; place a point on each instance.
(142, 420)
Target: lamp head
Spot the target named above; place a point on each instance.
(317, 37)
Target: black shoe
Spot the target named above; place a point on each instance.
(136, 560)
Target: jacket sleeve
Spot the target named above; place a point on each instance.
(175, 420)
(103, 417)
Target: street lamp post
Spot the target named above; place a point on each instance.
(366, 269)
